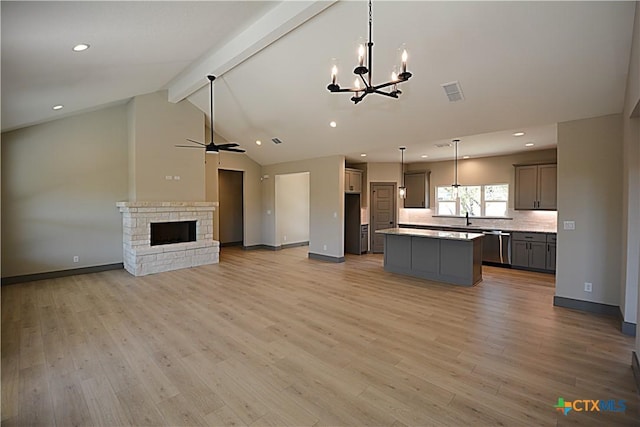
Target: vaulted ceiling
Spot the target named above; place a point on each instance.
(521, 65)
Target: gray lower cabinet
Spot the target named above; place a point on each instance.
(551, 252)
(458, 262)
(551, 256)
(534, 251)
(364, 238)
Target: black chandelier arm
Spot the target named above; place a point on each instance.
(383, 85)
(393, 94)
(366, 84)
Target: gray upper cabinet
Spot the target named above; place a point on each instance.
(417, 184)
(536, 187)
(352, 181)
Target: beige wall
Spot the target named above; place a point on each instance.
(590, 193)
(326, 200)
(60, 183)
(156, 127)
(292, 208)
(252, 192)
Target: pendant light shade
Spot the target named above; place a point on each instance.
(402, 190)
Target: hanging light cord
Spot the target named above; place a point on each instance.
(402, 171)
(455, 163)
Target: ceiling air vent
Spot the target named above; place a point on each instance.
(453, 91)
(446, 144)
(276, 141)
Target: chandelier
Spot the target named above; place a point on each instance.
(363, 73)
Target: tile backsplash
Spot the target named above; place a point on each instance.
(543, 221)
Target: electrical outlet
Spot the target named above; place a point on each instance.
(588, 286)
(569, 225)
(284, 237)
(324, 247)
(76, 258)
(168, 177)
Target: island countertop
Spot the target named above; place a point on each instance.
(434, 234)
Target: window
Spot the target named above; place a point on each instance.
(477, 200)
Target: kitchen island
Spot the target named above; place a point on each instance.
(442, 256)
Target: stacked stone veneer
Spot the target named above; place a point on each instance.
(140, 258)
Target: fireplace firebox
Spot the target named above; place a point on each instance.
(166, 233)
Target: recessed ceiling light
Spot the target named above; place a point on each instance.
(465, 157)
(333, 124)
(363, 155)
(58, 107)
(80, 47)
(258, 142)
(424, 156)
(529, 144)
(518, 134)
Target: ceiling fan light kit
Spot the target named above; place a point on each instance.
(361, 71)
(211, 147)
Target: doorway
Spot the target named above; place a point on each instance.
(383, 212)
(231, 208)
(292, 209)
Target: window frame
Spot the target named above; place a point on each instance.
(483, 201)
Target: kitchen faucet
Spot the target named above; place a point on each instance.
(467, 219)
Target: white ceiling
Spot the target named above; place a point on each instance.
(522, 66)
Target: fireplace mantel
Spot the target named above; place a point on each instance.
(140, 258)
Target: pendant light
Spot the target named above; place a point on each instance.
(402, 190)
(455, 184)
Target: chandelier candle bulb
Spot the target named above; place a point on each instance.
(404, 60)
(361, 55)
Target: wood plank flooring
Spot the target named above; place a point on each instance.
(275, 339)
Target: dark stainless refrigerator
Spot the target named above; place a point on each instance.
(352, 235)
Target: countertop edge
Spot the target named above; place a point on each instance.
(431, 234)
(475, 229)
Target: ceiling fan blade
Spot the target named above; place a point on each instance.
(235, 150)
(230, 144)
(188, 146)
(196, 142)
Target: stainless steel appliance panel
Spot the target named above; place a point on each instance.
(496, 247)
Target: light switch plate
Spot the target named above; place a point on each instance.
(569, 225)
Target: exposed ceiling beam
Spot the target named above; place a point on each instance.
(279, 21)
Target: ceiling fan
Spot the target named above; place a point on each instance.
(212, 147)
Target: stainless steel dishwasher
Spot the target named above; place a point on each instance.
(496, 247)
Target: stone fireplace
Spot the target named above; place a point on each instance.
(171, 222)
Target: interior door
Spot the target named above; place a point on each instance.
(383, 212)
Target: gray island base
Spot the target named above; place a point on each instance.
(441, 256)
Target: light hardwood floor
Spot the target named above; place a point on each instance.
(275, 339)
